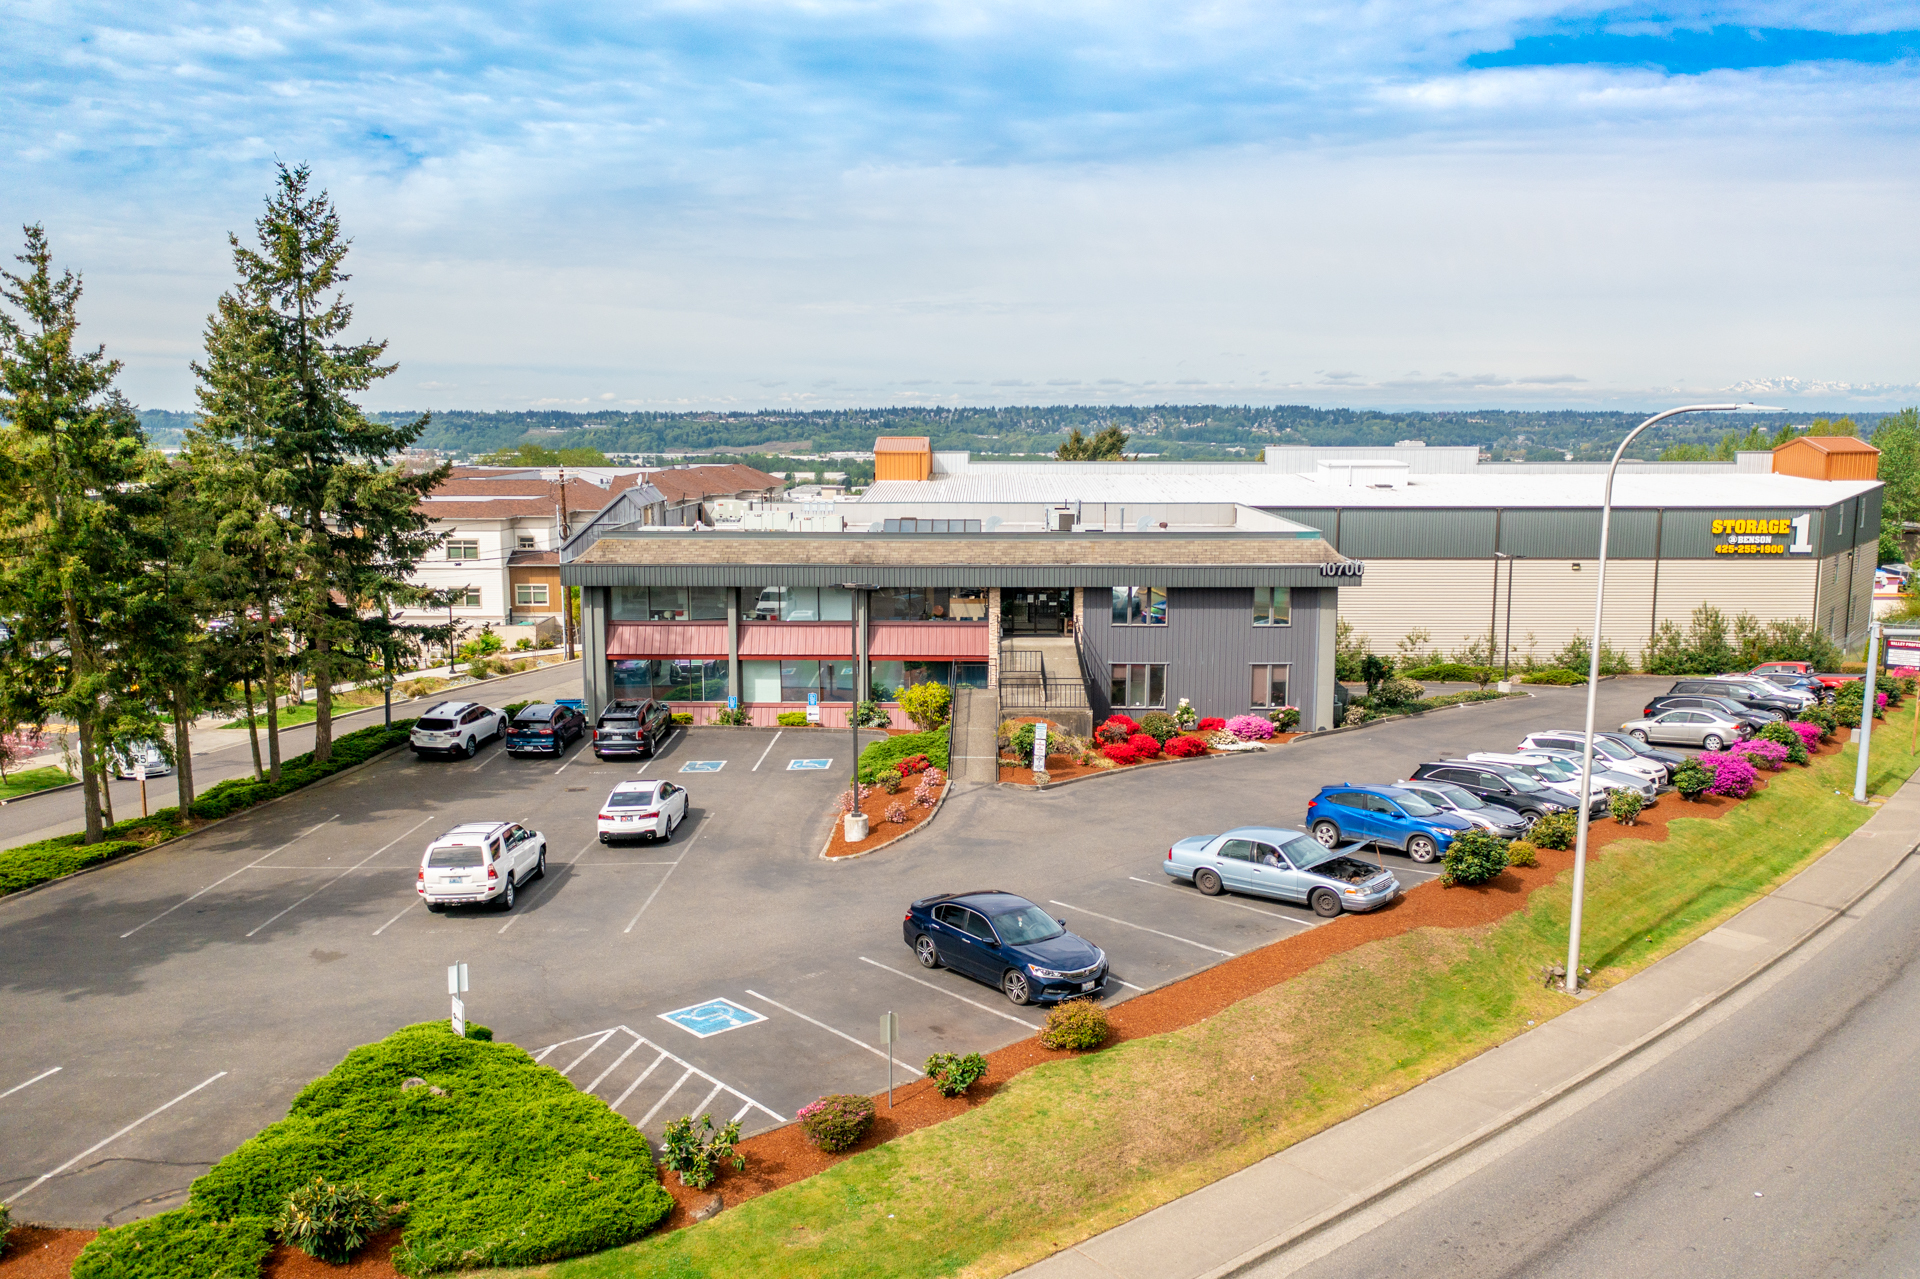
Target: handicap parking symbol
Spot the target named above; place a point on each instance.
(703, 765)
(801, 765)
(712, 1017)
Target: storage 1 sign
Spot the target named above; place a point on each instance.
(1759, 537)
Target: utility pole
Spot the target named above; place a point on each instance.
(566, 592)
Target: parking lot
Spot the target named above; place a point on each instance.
(163, 1009)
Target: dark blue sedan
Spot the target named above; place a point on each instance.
(544, 728)
(1006, 941)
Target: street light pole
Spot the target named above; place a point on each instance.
(857, 601)
(1572, 985)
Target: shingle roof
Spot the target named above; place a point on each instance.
(683, 484)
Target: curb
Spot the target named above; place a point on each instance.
(36, 794)
(1436, 710)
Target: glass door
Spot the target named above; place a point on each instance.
(1025, 612)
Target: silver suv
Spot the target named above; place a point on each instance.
(456, 729)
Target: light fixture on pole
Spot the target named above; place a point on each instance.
(1572, 985)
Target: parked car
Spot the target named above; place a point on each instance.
(1800, 698)
(456, 728)
(1271, 861)
(631, 729)
(545, 729)
(1507, 823)
(1562, 772)
(1006, 941)
(1496, 785)
(1705, 729)
(126, 762)
(643, 808)
(1607, 753)
(1666, 759)
(1740, 711)
(1382, 815)
(1827, 680)
(1775, 703)
(1801, 683)
(480, 862)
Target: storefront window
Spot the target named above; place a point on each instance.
(760, 681)
(707, 603)
(1272, 605)
(669, 604)
(928, 604)
(1270, 686)
(796, 604)
(1139, 684)
(888, 678)
(666, 603)
(1139, 606)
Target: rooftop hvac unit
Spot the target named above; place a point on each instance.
(1062, 519)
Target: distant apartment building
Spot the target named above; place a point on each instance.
(690, 491)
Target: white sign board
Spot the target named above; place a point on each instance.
(813, 708)
(459, 1018)
(1039, 748)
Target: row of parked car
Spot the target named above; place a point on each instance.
(625, 729)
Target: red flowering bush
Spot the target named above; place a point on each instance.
(1117, 729)
(1211, 724)
(912, 764)
(1184, 747)
(1145, 745)
(1120, 753)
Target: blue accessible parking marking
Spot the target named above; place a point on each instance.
(712, 1017)
(703, 765)
(799, 765)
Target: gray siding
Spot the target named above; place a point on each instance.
(1449, 533)
(1208, 644)
(1575, 534)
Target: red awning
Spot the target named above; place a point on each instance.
(929, 639)
(666, 639)
(795, 639)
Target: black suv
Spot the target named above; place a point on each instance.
(1747, 695)
(1702, 702)
(1497, 784)
(631, 729)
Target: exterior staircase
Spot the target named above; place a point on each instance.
(1041, 675)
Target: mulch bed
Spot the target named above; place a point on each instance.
(784, 1156)
(374, 1262)
(1062, 768)
(879, 829)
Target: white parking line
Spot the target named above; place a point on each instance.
(765, 753)
(224, 878)
(45, 1177)
(396, 919)
(664, 878)
(56, 1070)
(664, 1056)
(1129, 985)
(951, 994)
(591, 1049)
(830, 1030)
(356, 866)
(631, 1049)
(1270, 914)
(1142, 927)
(642, 1121)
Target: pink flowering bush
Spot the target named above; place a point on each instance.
(1732, 775)
(1761, 751)
(849, 801)
(1250, 728)
(897, 814)
(1809, 734)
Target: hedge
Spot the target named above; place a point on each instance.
(46, 859)
(510, 1166)
(881, 756)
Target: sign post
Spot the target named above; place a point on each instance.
(140, 771)
(813, 708)
(457, 986)
(889, 1035)
(1040, 747)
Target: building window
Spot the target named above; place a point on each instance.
(669, 604)
(468, 598)
(526, 542)
(928, 604)
(796, 604)
(671, 679)
(1139, 606)
(791, 679)
(464, 549)
(1270, 686)
(1272, 605)
(530, 594)
(1139, 684)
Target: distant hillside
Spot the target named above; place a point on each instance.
(1172, 431)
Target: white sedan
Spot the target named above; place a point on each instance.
(643, 808)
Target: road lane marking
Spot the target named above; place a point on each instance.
(951, 994)
(707, 1100)
(1129, 985)
(765, 753)
(615, 1105)
(224, 878)
(56, 1070)
(642, 1121)
(631, 1049)
(664, 878)
(1142, 927)
(396, 919)
(356, 866)
(45, 1177)
(1270, 914)
(591, 1049)
(830, 1030)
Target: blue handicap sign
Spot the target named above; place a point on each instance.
(733, 703)
(802, 765)
(703, 765)
(813, 699)
(712, 1017)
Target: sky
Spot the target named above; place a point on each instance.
(842, 203)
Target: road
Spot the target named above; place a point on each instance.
(1776, 1136)
(218, 755)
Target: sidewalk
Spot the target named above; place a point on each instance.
(1226, 1227)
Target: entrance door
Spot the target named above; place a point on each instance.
(1035, 612)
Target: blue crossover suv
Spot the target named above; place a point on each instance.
(1382, 815)
(1004, 940)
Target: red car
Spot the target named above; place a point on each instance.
(1801, 668)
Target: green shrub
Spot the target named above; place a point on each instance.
(1159, 725)
(1555, 675)
(1555, 830)
(925, 703)
(1285, 718)
(1453, 673)
(888, 780)
(31, 864)
(1020, 739)
(1821, 715)
(1776, 731)
(1521, 853)
(881, 756)
(482, 1033)
(6, 1226)
(733, 718)
(513, 709)
(1395, 694)
(953, 1074)
(1079, 1025)
(1691, 779)
(683, 718)
(1625, 805)
(695, 1150)
(357, 747)
(509, 1165)
(837, 1121)
(1473, 857)
(791, 719)
(330, 1223)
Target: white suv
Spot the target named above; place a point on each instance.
(1607, 754)
(480, 862)
(456, 728)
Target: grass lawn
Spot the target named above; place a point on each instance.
(304, 713)
(18, 784)
(1073, 1147)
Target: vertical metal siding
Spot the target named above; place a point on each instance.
(1209, 644)
(1451, 533)
(1575, 534)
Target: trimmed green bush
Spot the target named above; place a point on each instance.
(683, 718)
(1824, 717)
(330, 1223)
(1556, 676)
(1395, 694)
(1159, 725)
(791, 719)
(1556, 830)
(1473, 857)
(510, 1165)
(1079, 1025)
(1691, 779)
(925, 703)
(1625, 805)
(837, 1121)
(953, 1074)
(1453, 673)
(1777, 731)
(888, 780)
(1521, 853)
(483, 1033)
(881, 756)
